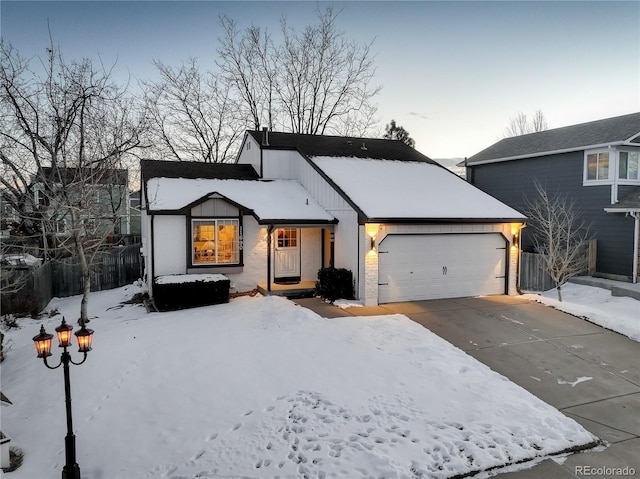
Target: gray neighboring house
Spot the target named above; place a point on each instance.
(596, 164)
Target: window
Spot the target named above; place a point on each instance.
(215, 241)
(628, 165)
(287, 238)
(598, 166)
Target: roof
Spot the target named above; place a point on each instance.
(270, 201)
(195, 169)
(631, 202)
(342, 146)
(389, 190)
(618, 130)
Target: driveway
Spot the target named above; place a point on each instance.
(589, 373)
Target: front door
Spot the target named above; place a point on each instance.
(287, 255)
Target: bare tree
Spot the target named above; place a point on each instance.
(522, 125)
(248, 65)
(314, 82)
(65, 128)
(192, 115)
(559, 235)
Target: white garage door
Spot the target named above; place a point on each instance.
(415, 267)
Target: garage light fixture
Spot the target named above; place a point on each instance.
(372, 231)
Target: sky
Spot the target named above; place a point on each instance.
(452, 73)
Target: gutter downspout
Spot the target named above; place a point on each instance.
(269, 233)
(636, 239)
(152, 266)
(518, 259)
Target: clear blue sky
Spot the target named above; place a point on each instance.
(453, 73)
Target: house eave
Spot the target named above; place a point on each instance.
(443, 220)
(296, 222)
(471, 163)
(622, 210)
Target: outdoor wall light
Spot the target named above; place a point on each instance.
(42, 342)
(372, 231)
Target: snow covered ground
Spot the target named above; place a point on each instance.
(620, 314)
(260, 387)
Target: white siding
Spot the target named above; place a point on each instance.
(254, 257)
(280, 164)
(170, 255)
(310, 253)
(146, 250)
(250, 154)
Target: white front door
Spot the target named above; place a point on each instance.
(287, 254)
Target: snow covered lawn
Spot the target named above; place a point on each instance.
(260, 387)
(618, 313)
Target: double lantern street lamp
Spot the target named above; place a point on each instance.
(42, 342)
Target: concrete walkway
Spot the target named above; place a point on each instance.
(589, 373)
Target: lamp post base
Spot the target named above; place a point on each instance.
(71, 472)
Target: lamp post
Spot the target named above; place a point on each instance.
(42, 343)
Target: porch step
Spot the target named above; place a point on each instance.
(303, 289)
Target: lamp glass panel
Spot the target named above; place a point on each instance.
(85, 338)
(43, 347)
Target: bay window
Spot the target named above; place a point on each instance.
(215, 241)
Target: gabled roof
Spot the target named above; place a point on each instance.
(269, 201)
(387, 191)
(619, 130)
(342, 146)
(195, 169)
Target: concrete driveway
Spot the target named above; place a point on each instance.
(589, 373)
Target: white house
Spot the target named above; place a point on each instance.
(407, 228)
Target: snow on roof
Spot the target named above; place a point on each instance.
(190, 278)
(388, 189)
(284, 200)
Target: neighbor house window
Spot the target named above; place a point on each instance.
(598, 166)
(215, 241)
(628, 165)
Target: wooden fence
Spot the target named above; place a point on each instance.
(110, 269)
(533, 277)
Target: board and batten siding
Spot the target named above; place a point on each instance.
(250, 153)
(512, 182)
(289, 164)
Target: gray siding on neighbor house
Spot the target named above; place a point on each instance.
(512, 182)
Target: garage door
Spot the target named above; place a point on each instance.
(415, 267)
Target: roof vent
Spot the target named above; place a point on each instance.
(363, 147)
(265, 136)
